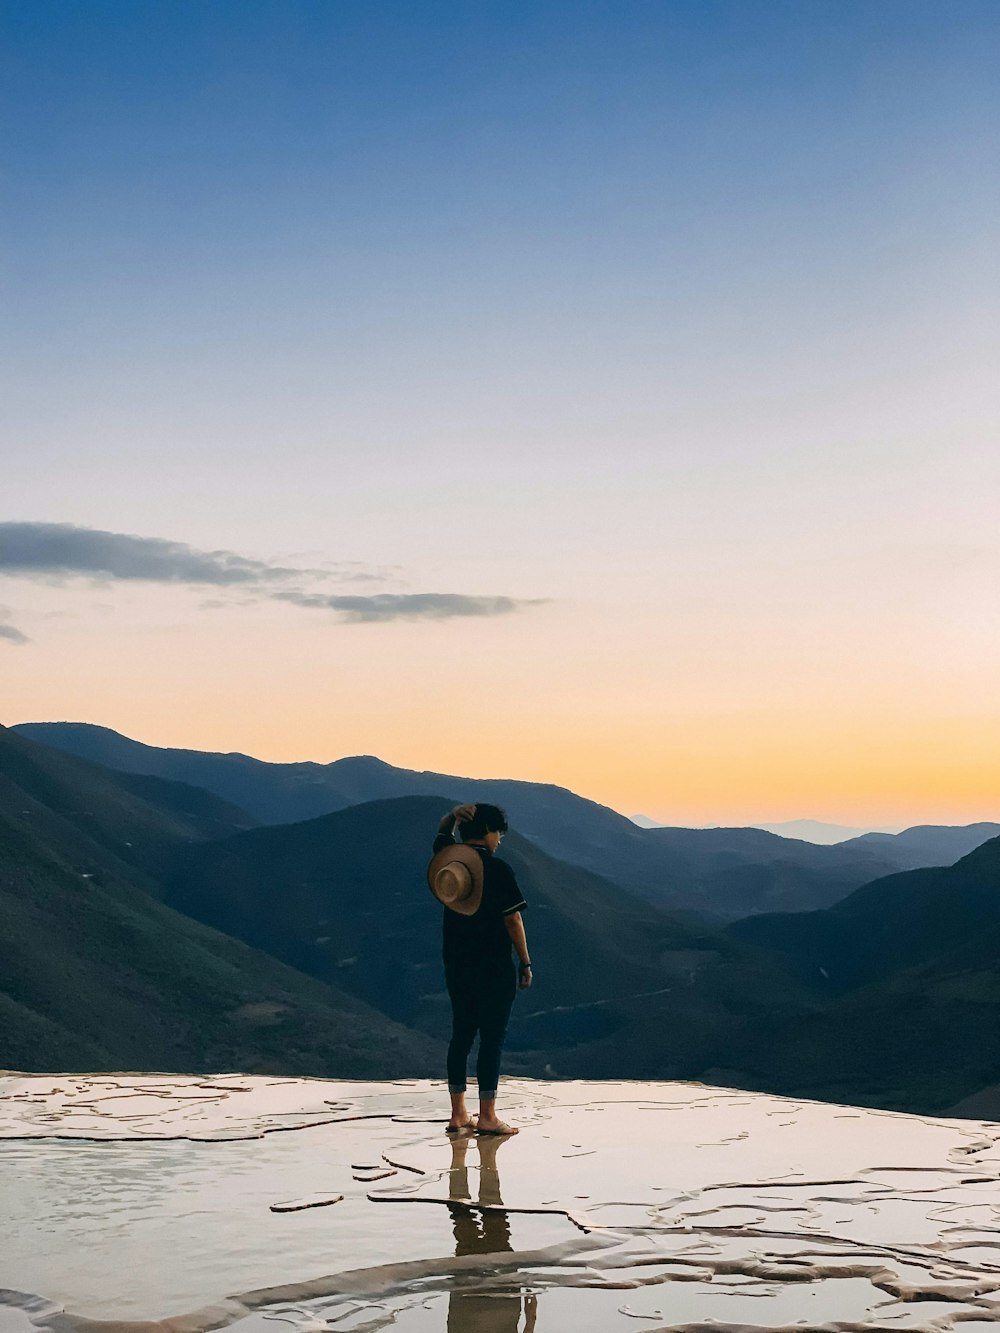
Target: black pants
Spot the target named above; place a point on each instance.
(479, 1003)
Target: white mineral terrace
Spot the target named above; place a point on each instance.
(259, 1204)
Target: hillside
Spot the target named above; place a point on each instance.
(270, 793)
(927, 844)
(721, 873)
(99, 974)
(96, 974)
(343, 897)
(100, 819)
(911, 965)
(899, 922)
(749, 870)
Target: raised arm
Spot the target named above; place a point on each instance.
(460, 815)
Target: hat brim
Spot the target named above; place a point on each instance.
(473, 862)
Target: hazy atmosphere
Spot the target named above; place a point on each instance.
(585, 393)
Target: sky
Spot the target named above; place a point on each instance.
(593, 393)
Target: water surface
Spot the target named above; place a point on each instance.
(309, 1205)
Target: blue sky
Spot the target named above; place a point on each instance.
(679, 318)
(186, 172)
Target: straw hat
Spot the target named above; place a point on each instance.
(455, 877)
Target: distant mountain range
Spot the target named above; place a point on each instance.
(150, 923)
(723, 873)
(815, 830)
(807, 830)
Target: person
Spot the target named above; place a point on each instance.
(478, 969)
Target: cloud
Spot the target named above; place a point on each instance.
(409, 606)
(64, 550)
(345, 571)
(8, 632)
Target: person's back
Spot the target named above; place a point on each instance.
(481, 942)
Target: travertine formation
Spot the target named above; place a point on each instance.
(619, 1206)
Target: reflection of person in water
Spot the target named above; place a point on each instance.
(482, 921)
(483, 1230)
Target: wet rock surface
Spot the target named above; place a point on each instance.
(259, 1203)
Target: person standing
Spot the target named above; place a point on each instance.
(482, 922)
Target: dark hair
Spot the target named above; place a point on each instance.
(488, 819)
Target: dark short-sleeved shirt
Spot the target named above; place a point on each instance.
(480, 942)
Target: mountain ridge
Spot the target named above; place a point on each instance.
(722, 873)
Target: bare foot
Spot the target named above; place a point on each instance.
(456, 1126)
(495, 1126)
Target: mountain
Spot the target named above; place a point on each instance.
(815, 830)
(735, 872)
(622, 988)
(891, 925)
(722, 873)
(566, 825)
(912, 966)
(928, 844)
(904, 977)
(105, 820)
(807, 830)
(96, 974)
(271, 793)
(343, 898)
(338, 939)
(889, 998)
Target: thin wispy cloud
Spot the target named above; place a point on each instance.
(8, 632)
(346, 571)
(62, 551)
(409, 606)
